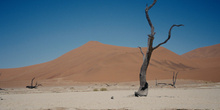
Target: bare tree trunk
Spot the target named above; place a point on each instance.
(174, 79)
(32, 81)
(143, 89)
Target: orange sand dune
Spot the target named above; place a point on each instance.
(204, 52)
(208, 59)
(97, 62)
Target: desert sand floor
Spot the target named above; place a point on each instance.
(83, 97)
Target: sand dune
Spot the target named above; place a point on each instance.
(208, 59)
(204, 52)
(97, 62)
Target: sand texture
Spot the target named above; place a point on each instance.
(199, 96)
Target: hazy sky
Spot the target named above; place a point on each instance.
(37, 31)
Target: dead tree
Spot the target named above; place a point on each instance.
(174, 79)
(171, 84)
(143, 89)
(35, 86)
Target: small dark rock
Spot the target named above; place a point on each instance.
(112, 97)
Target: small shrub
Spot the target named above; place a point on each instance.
(103, 89)
(95, 89)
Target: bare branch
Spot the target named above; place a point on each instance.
(141, 51)
(148, 18)
(169, 35)
(151, 5)
(32, 81)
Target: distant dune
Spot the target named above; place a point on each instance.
(204, 52)
(97, 62)
(208, 59)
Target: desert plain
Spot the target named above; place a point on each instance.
(104, 77)
(189, 95)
